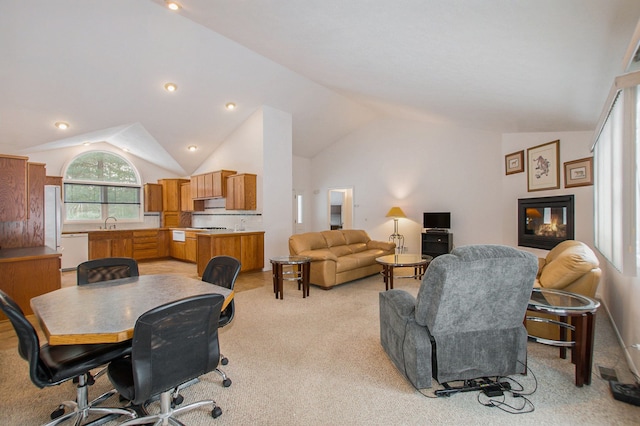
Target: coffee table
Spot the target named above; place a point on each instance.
(577, 314)
(388, 262)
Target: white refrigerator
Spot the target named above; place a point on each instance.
(74, 247)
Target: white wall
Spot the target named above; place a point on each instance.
(573, 146)
(418, 167)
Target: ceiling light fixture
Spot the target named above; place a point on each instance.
(170, 87)
(230, 106)
(173, 5)
(86, 143)
(192, 148)
(125, 149)
(62, 125)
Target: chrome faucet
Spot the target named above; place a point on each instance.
(105, 222)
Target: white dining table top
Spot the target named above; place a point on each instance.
(106, 312)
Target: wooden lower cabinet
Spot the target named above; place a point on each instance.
(27, 273)
(150, 244)
(246, 246)
(185, 250)
(110, 244)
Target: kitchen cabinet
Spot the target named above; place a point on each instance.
(185, 250)
(248, 247)
(110, 244)
(241, 192)
(13, 188)
(210, 185)
(150, 244)
(27, 273)
(171, 194)
(152, 197)
(188, 204)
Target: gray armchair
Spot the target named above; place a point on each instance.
(467, 320)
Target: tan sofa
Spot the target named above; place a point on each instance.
(570, 266)
(339, 256)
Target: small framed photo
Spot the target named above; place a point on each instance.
(543, 167)
(578, 172)
(514, 162)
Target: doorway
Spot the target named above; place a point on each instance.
(340, 208)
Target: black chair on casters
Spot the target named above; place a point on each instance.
(223, 271)
(52, 365)
(108, 268)
(172, 344)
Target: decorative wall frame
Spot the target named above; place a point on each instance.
(578, 172)
(543, 167)
(514, 162)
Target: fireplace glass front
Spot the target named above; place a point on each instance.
(546, 221)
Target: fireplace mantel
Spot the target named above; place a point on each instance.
(544, 222)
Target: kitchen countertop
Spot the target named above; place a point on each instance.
(13, 254)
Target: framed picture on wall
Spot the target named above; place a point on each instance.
(543, 167)
(514, 162)
(578, 172)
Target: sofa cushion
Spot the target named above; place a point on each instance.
(333, 238)
(340, 250)
(347, 263)
(573, 262)
(358, 247)
(353, 236)
(307, 241)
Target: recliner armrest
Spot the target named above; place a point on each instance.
(400, 301)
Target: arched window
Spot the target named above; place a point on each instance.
(100, 184)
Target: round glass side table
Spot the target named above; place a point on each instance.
(299, 271)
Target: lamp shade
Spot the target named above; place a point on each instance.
(396, 212)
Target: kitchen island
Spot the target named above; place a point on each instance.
(248, 246)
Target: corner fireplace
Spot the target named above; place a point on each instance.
(545, 221)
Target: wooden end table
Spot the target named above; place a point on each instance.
(576, 314)
(300, 273)
(417, 261)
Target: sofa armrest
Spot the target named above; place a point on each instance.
(400, 302)
(382, 245)
(541, 262)
(321, 254)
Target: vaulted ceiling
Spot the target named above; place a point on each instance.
(503, 66)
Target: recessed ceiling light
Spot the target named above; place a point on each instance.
(192, 148)
(173, 5)
(62, 125)
(170, 87)
(230, 106)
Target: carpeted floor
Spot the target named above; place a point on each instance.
(318, 361)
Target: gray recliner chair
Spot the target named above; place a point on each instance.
(467, 320)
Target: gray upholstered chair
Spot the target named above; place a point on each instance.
(467, 320)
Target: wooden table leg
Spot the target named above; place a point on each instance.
(590, 322)
(563, 337)
(274, 274)
(579, 352)
(306, 272)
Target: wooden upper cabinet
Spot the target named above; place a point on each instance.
(188, 204)
(171, 194)
(152, 197)
(210, 185)
(241, 192)
(13, 188)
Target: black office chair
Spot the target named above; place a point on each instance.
(105, 269)
(223, 271)
(172, 344)
(52, 365)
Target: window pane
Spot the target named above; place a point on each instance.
(82, 193)
(101, 167)
(82, 211)
(122, 195)
(124, 211)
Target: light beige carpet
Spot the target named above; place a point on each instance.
(318, 361)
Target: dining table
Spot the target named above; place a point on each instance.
(107, 311)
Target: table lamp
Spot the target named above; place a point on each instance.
(396, 213)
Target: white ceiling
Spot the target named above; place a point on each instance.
(503, 66)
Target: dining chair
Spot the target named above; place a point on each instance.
(105, 269)
(172, 344)
(223, 271)
(53, 365)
